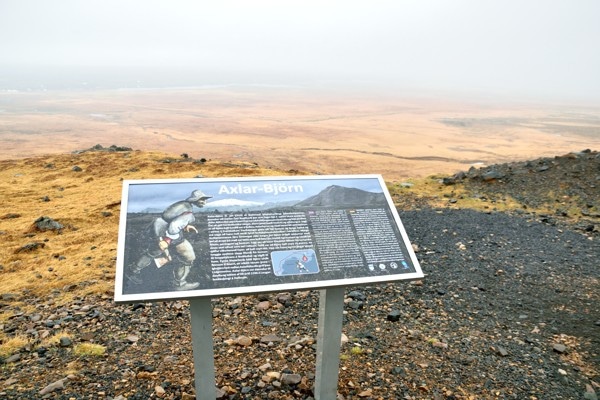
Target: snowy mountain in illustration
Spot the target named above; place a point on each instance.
(231, 205)
(236, 205)
(339, 196)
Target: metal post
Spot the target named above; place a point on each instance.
(202, 345)
(329, 337)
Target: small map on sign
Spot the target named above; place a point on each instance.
(294, 262)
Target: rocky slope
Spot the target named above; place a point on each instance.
(509, 309)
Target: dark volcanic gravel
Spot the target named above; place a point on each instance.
(509, 309)
(567, 186)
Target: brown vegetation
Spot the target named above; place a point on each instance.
(87, 205)
(297, 129)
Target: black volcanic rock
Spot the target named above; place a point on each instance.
(339, 196)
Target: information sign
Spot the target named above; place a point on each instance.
(187, 238)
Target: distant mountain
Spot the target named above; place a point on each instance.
(339, 196)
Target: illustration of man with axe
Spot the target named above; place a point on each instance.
(170, 243)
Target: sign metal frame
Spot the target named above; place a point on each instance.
(135, 190)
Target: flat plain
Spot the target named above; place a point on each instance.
(316, 132)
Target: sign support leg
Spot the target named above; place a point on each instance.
(202, 345)
(329, 337)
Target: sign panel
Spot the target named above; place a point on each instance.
(226, 236)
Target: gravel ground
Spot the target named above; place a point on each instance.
(509, 309)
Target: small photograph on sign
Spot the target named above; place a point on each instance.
(294, 262)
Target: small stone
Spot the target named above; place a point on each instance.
(10, 381)
(220, 393)
(355, 305)
(366, 393)
(344, 339)
(290, 379)
(590, 393)
(501, 351)
(559, 348)
(52, 387)
(132, 338)
(29, 247)
(13, 358)
(492, 175)
(65, 342)
(562, 372)
(270, 338)
(284, 298)
(35, 317)
(394, 316)
(160, 391)
(47, 224)
(263, 305)
(357, 295)
(263, 296)
(146, 375)
(265, 367)
(274, 374)
(243, 341)
(8, 296)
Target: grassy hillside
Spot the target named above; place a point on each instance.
(82, 192)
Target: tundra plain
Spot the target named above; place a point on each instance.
(317, 132)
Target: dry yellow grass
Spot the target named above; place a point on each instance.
(89, 349)
(80, 259)
(10, 344)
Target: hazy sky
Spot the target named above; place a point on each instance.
(545, 47)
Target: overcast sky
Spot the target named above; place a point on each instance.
(545, 47)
